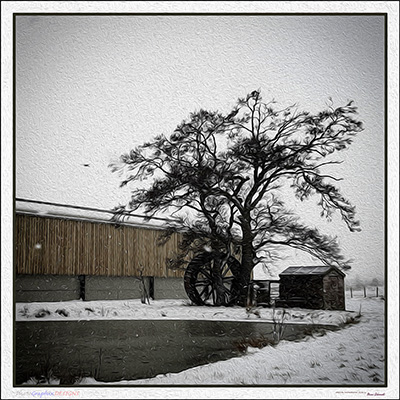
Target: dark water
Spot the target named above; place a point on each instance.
(126, 350)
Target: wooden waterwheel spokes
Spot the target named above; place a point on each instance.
(210, 279)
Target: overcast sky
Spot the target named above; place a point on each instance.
(92, 87)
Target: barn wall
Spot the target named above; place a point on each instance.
(49, 288)
(47, 245)
(169, 288)
(111, 288)
(39, 288)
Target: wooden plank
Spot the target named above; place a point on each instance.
(70, 247)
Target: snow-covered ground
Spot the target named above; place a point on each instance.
(353, 355)
(171, 309)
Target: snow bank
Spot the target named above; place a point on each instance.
(172, 309)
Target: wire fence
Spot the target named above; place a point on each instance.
(365, 291)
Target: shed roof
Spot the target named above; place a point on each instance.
(310, 270)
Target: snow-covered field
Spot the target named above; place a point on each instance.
(353, 355)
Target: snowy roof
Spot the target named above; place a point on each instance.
(310, 270)
(134, 224)
(89, 214)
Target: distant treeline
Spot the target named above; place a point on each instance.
(357, 283)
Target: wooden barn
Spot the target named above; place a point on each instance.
(64, 257)
(316, 287)
(61, 258)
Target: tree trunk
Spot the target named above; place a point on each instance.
(218, 284)
(248, 254)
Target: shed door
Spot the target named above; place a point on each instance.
(334, 294)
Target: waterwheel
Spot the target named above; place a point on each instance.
(210, 279)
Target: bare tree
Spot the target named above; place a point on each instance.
(229, 171)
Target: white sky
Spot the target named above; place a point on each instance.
(91, 87)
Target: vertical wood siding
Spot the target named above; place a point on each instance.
(47, 245)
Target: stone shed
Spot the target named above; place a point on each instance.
(316, 287)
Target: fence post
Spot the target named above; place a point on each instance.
(82, 287)
(351, 292)
(365, 292)
(377, 292)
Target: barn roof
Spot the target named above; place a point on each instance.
(310, 270)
